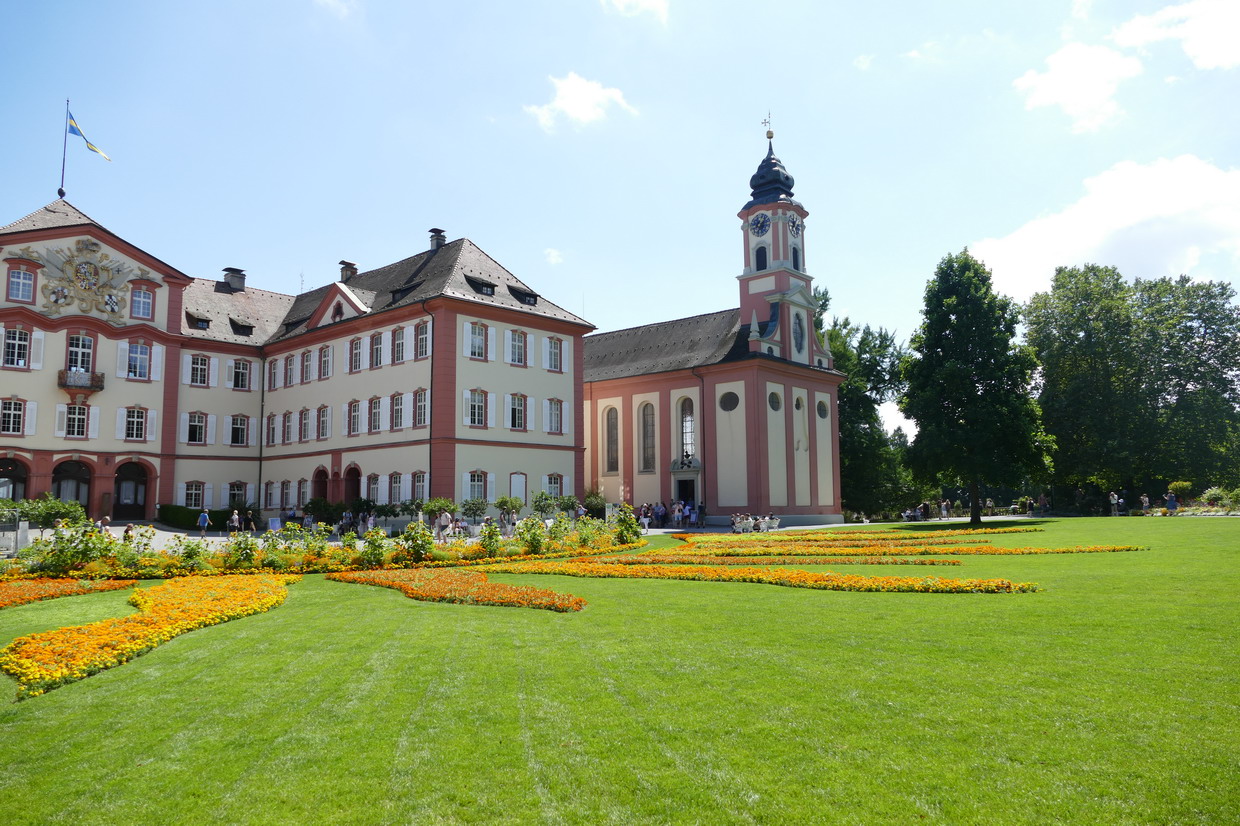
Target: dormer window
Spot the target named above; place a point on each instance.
(241, 328)
(197, 322)
(524, 296)
(480, 285)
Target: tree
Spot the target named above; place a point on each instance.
(969, 386)
(474, 509)
(544, 504)
(511, 504)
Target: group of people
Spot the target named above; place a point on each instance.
(747, 522)
(1119, 504)
(681, 514)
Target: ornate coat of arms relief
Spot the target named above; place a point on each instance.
(85, 276)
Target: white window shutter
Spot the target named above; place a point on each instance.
(490, 491)
(186, 361)
(296, 377)
(385, 412)
(229, 367)
(546, 352)
(122, 359)
(253, 431)
(384, 493)
(385, 344)
(331, 358)
(328, 432)
(407, 332)
(157, 363)
(211, 428)
(152, 419)
(546, 416)
(410, 412)
(213, 372)
(274, 377)
(490, 344)
(249, 492)
(183, 430)
(490, 410)
(36, 350)
(314, 367)
(465, 339)
(365, 348)
(406, 485)
(508, 346)
(507, 410)
(93, 423)
(567, 486)
(208, 500)
(120, 422)
(464, 486)
(181, 494)
(546, 481)
(31, 413)
(312, 430)
(62, 413)
(465, 407)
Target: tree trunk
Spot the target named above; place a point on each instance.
(975, 505)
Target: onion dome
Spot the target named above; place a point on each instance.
(771, 184)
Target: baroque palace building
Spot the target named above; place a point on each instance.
(126, 383)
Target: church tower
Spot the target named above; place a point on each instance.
(776, 292)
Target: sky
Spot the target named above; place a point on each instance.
(600, 149)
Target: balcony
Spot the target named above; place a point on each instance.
(79, 380)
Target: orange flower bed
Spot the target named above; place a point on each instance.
(773, 576)
(849, 537)
(902, 550)
(43, 661)
(462, 587)
(690, 559)
(22, 591)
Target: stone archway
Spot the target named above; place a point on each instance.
(71, 482)
(129, 492)
(318, 484)
(13, 476)
(352, 484)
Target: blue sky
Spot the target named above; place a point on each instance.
(601, 149)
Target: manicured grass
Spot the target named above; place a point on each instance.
(1113, 696)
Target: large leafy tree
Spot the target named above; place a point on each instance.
(969, 386)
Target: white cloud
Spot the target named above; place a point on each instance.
(1080, 9)
(632, 8)
(863, 61)
(340, 8)
(930, 50)
(1208, 31)
(581, 101)
(1081, 80)
(1172, 216)
(553, 256)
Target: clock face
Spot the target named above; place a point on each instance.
(760, 224)
(795, 226)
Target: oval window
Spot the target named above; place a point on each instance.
(774, 401)
(822, 410)
(729, 401)
(797, 404)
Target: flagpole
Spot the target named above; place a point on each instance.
(64, 150)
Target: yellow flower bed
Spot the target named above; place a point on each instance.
(463, 587)
(656, 558)
(43, 661)
(21, 591)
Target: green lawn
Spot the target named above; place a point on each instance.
(1111, 697)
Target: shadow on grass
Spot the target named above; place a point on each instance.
(930, 527)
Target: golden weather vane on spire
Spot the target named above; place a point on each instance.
(767, 124)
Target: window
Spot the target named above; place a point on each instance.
(376, 412)
(376, 350)
(21, 286)
(198, 370)
(421, 340)
(12, 417)
(647, 424)
(76, 417)
(355, 418)
(419, 486)
(236, 494)
(759, 257)
(286, 427)
(193, 495)
(196, 433)
(135, 424)
(325, 362)
(16, 348)
(142, 303)
(477, 408)
(398, 345)
(302, 497)
(796, 259)
(241, 375)
(555, 416)
(372, 487)
(307, 366)
(555, 484)
(273, 374)
(325, 422)
(398, 411)
(477, 341)
(477, 485)
(516, 347)
(612, 426)
(139, 361)
(81, 354)
(394, 491)
(271, 429)
(286, 488)
(419, 408)
(238, 430)
(686, 429)
(269, 495)
(555, 355)
(289, 362)
(303, 425)
(355, 355)
(516, 412)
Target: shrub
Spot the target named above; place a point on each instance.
(544, 504)
(1182, 490)
(374, 548)
(532, 534)
(416, 543)
(489, 539)
(511, 504)
(626, 527)
(474, 509)
(1217, 497)
(596, 504)
(438, 505)
(568, 504)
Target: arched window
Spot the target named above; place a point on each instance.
(759, 258)
(612, 440)
(647, 420)
(687, 439)
(796, 259)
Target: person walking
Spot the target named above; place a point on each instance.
(234, 522)
(204, 522)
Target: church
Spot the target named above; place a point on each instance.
(442, 374)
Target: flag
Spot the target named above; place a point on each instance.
(74, 130)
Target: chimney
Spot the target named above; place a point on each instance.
(235, 279)
(438, 239)
(347, 270)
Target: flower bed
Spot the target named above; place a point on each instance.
(43, 661)
(653, 558)
(773, 576)
(790, 550)
(462, 587)
(21, 591)
(854, 537)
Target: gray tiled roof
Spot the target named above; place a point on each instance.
(59, 213)
(439, 272)
(217, 302)
(667, 345)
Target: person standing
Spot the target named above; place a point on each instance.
(234, 522)
(1172, 504)
(204, 522)
(1145, 503)
(249, 524)
(1114, 504)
